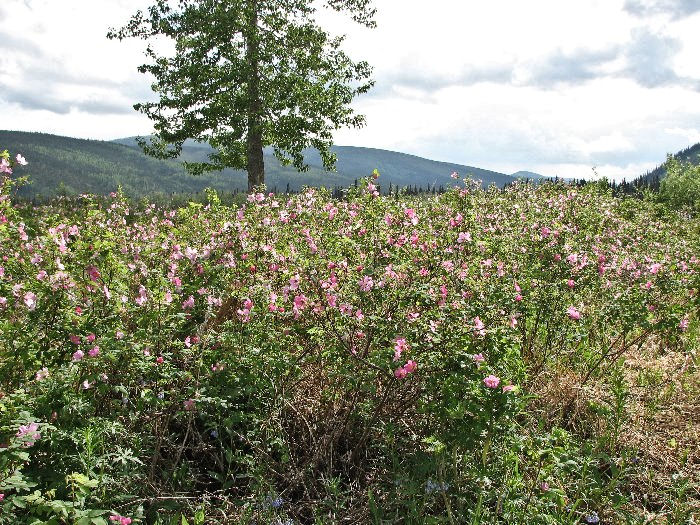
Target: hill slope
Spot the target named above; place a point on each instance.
(67, 165)
(690, 155)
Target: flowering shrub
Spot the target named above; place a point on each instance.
(276, 346)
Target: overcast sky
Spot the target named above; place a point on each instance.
(552, 86)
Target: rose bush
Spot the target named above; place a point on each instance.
(294, 344)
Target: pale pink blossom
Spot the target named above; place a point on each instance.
(30, 300)
(491, 381)
(573, 313)
(29, 433)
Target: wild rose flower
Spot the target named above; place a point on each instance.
(508, 388)
(42, 374)
(366, 283)
(121, 520)
(491, 381)
(400, 373)
(410, 366)
(683, 325)
(464, 237)
(188, 303)
(21, 160)
(189, 404)
(91, 338)
(400, 346)
(94, 351)
(478, 358)
(93, 273)
(654, 268)
(29, 433)
(74, 339)
(30, 301)
(573, 313)
(78, 355)
(479, 327)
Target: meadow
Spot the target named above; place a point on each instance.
(519, 355)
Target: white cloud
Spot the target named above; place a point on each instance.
(548, 86)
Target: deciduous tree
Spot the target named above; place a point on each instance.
(247, 74)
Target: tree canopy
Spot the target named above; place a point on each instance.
(247, 74)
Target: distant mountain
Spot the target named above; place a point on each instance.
(62, 165)
(353, 162)
(527, 175)
(690, 155)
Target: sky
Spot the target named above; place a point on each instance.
(570, 88)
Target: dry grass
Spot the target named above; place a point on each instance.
(664, 426)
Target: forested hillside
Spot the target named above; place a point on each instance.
(63, 165)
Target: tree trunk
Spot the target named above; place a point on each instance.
(254, 152)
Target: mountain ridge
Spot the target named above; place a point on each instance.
(65, 165)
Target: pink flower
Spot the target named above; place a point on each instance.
(570, 283)
(30, 300)
(654, 268)
(78, 355)
(478, 359)
(189, 404)
(42, 374)
(410, 366)
(513, 322)
(5, 166)
(121, 520)
(74, 339)
(400, 346)
(411, 214)
(366, 283)
(159, 360)
(508, 388)
(90, 337)
(21, 160)
(683, 325)
(479, 327)
(29, 433)
(573, 313)
(188, 303)
(464, 237)
(94, 351)
(93, 273)
(491, 381)
(544, 486)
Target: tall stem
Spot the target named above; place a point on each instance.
(254, 147)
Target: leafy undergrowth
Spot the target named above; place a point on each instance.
(517, 356)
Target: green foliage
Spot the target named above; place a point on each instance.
(246, 75)
(69, 167)
(370, 359)
(681, 185)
